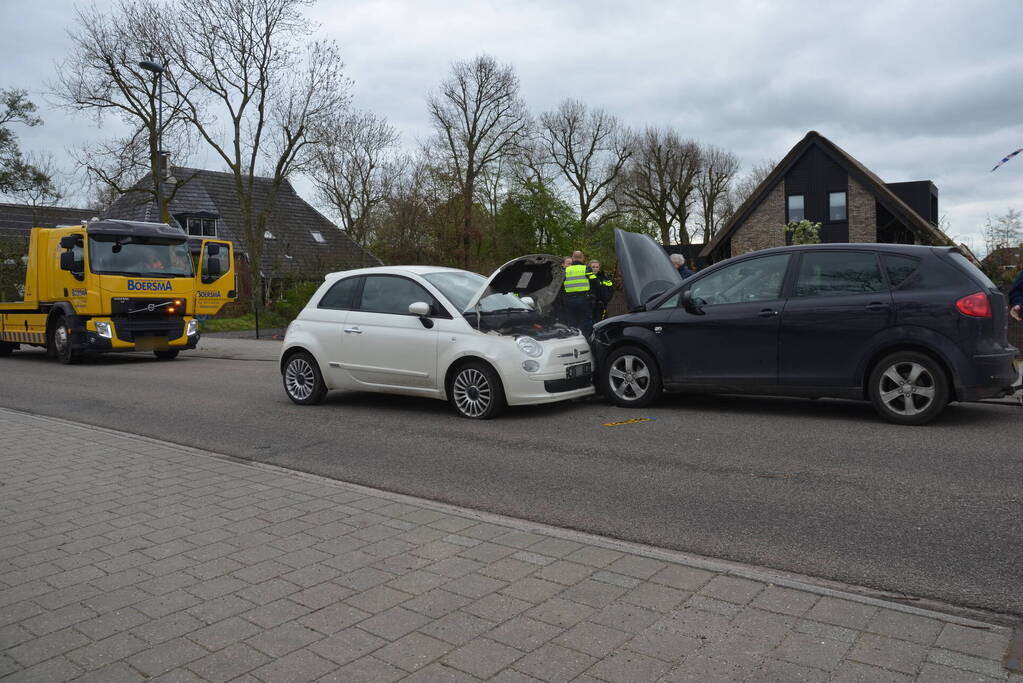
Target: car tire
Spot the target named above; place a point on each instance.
(908, 388)
(303, 382)
(169, 354)
(475, 392)
(59, 343)
(630, 378)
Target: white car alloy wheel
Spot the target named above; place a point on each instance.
(476, 392)
(302, 381)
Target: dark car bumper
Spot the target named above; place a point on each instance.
(994, 375)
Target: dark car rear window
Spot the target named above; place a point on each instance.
(900, 268)
(973, 270)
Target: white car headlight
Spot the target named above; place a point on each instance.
(529, 346)
(103, 329)
(192, 328)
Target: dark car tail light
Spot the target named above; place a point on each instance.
(975, 305)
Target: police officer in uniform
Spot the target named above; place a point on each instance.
(602, 288)
(578, 307)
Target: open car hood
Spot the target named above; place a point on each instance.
(537, 275)
(646, 270)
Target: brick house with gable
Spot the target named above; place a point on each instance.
(820, 182)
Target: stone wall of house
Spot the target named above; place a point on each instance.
(765, 227)
(862, 210)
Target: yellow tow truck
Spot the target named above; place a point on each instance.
(113, 285)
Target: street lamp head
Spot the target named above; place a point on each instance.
(155, 67)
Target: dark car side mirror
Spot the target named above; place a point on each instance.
(689, 305)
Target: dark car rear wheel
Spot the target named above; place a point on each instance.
(908, 388)
(475, 391)
(303, 382)
(630, 378)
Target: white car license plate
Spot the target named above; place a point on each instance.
(577, 370)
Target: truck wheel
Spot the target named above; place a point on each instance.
(60, 342)
(7, 349)
(169, 354)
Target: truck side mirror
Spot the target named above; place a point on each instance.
(68, 263)
(213, 249)
(68, 242)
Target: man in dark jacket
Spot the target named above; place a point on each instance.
(679, 261)
(1016, 297)
(602, 288)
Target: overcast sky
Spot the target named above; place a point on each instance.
(914, 90)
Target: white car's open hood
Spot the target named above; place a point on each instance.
(537, 275)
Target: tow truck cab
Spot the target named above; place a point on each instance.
(115, 285)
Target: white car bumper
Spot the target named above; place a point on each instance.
(550, 382)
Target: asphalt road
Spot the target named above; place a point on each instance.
(821, 488)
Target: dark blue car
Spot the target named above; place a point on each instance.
(909, 328)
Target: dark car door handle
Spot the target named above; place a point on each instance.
(767, 313)
(877, 307)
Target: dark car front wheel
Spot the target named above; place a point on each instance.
(908, 388)
(630, 378)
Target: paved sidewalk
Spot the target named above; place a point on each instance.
(123, 558)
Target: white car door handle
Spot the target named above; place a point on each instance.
(353, 330)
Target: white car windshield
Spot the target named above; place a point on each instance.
(460, 287)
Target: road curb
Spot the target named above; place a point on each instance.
(962, 616)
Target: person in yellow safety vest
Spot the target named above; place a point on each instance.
(578, 305)
(602, 288)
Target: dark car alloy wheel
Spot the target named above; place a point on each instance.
(476, 392)
(631, 378)
(908, 388)
(302, 380)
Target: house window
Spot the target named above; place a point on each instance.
(318, 236)
(202, 227)
(836, 207)
(796, 212)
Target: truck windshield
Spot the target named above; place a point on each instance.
(139, 256)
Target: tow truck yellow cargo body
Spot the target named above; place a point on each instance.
(115, 285)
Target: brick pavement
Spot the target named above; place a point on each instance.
(126, 559)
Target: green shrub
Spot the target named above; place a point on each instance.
(294, 300)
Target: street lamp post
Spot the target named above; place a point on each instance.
(157, 69)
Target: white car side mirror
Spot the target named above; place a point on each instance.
(419, 308)
(528, 300)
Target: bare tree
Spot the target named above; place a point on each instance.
(717, 171)
(660, 182)
(589, 147)
(1003, 231)
(256, 92)
(478, 118)
(102, 76)
(746, 185)
(355, 169)
(24, 178)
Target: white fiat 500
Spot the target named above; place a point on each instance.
(450, 334)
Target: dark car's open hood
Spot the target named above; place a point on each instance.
(537, 275)
(646, 270)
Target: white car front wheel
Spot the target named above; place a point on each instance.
(475, 392)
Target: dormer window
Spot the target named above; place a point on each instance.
(201, 227)
(268, 235)
(318, 236)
